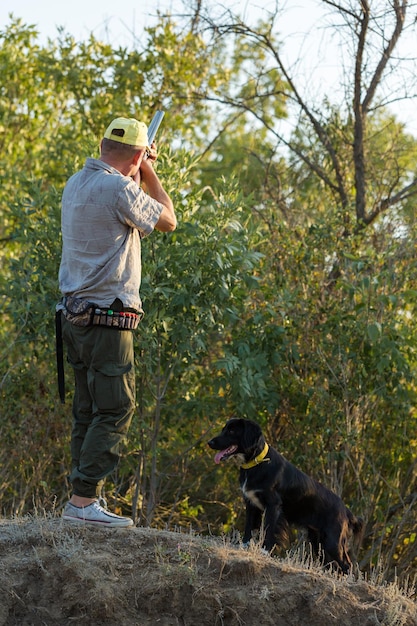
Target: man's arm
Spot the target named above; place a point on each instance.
(167, 220)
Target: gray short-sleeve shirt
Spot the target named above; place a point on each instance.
(104, 217)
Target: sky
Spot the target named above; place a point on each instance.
(81, 17)
(301, 30)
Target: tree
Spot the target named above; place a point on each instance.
(339, 223)
(245, 311)
(374, 33)
(186, 284)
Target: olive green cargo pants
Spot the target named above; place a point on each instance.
(104, 401)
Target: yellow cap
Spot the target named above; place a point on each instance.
(128, 131)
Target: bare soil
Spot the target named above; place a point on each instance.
(54, 573)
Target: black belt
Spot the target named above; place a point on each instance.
(60, 355)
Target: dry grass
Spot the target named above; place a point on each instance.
(55, 573)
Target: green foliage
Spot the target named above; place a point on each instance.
(190, 292)
(258, 305)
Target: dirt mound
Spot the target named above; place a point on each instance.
(55, 574)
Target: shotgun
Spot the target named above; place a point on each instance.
(154, 125)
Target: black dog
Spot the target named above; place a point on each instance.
(276, 490)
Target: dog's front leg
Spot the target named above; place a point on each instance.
(271, 519)
(252, 521)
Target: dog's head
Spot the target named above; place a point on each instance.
(239, 437)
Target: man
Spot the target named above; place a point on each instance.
(107, 208)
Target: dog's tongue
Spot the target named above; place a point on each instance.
(220, 455)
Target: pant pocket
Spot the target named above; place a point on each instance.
(113, 392)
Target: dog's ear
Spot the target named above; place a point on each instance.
(252, 434)
(235, 424)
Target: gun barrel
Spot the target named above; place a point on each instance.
(154, 125)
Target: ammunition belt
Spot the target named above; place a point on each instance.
(81, 312)
(125, 320)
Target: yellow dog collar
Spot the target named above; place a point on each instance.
(259, 459)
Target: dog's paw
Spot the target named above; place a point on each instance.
(246, 545)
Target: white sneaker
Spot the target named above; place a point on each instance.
(94, 515)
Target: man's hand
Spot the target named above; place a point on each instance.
(151, 154)
(146, 171)
(147, 161)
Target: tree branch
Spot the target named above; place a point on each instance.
(360, 118)
(405, 193)
(400, 11)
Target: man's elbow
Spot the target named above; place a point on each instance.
(167, 222)
(171, 224)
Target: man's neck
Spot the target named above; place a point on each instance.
(123, 167)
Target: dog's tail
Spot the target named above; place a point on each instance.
(357, 525)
